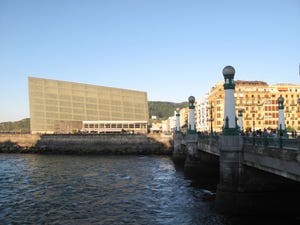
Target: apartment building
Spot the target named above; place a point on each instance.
(259, 104)
(203, 117)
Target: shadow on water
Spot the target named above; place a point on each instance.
(207, 182)
(261, 220)
(208, 187)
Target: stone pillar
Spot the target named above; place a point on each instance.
(179, 154)
(231, 155)
(231, 169)
(298, 142)
(191, 162)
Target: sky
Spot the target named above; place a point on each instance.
(170, 49)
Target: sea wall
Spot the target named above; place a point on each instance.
(17, 143)
(86, 144)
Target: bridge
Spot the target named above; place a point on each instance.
(256, 174)
(280, 156)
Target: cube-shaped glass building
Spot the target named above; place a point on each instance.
(65, 107)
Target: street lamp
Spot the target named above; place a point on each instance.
(211, 118)
(298, 101)
(253, 111)
(253, 119)
(240, 119)
(281, 123)
(191, 122)
(177, 121)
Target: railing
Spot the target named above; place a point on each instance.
(209, 139)
(275, 142)
(214, 136)
(271, 142)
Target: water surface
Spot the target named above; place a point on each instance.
(64, 189)
(56, 189)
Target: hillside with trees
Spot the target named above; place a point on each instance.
(21, 126)
(163, 110)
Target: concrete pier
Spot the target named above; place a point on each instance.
(231, 169)
(244, 190)
(179, 153)
(191, 164)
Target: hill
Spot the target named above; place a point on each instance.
(22, 126)
(163, 110)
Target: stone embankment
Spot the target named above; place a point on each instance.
(86, 144)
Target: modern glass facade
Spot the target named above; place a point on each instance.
(53, 102)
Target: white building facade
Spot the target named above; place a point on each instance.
(203, 117)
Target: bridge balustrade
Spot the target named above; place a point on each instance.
(271, 142)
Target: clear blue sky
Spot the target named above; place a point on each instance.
(169, 48)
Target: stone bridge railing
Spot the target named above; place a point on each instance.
(274, 142)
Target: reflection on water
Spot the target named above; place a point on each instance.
(56, 189)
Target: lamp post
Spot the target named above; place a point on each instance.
(230, 126)
(253, 115)
(240, 119)
(177, 121)
(191, 122)
(281, 123)
(253, 111)
(211, 118)
(298, 101)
